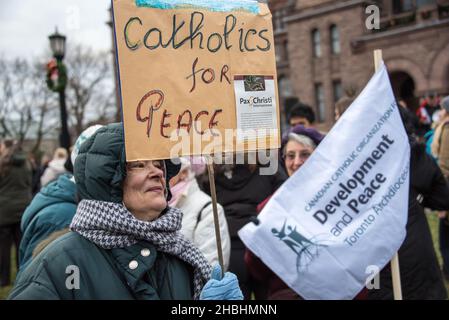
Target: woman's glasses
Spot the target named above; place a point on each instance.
(303, 155)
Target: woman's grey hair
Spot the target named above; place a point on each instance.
(445, 104)
(301, 139)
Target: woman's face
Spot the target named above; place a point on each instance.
(295, 155)
(144, 189)
(444, 113)
(337, 114)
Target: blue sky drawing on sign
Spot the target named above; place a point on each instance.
(251, 6)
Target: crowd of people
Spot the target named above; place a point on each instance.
(145, 229)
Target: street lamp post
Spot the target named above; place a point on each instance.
(57, 80)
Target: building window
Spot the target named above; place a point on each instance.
(278, 53)
(316, 40)
(335, 39)
(319, 97)
(400, 6)
(282, 52)
(338, 91)
(278, 18)
(422, 3)
(285, 87)
(285, 43)
(277, 21)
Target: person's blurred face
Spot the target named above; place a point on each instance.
(295, 155)
(294, 121)
(181, 176)
(337, 114)
(444, 113)
(403, 104)
(144, 189)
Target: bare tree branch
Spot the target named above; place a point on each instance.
(29, 110)
(24, 100)
(90, 80)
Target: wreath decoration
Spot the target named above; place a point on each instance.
(56, 76)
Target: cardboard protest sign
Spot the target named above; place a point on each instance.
(345, 210)
(187, 68)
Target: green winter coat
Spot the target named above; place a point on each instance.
(51, 210)
(74, 268)
(120, 273)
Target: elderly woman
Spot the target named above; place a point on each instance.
(124, 242)
(296, 147)
(296, 151)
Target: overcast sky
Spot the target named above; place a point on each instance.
(26, 24)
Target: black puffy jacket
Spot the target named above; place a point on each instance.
(420, 272)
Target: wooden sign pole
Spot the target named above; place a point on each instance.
(213, 193)
(395, 274)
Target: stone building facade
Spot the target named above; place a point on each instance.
(325, 48)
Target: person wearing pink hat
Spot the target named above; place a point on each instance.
(198, 219)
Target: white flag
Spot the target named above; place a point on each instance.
(345, 210)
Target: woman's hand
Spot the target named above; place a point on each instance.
(218, 288)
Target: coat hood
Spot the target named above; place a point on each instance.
(100, 166)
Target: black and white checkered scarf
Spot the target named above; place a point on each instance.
(110, 225)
